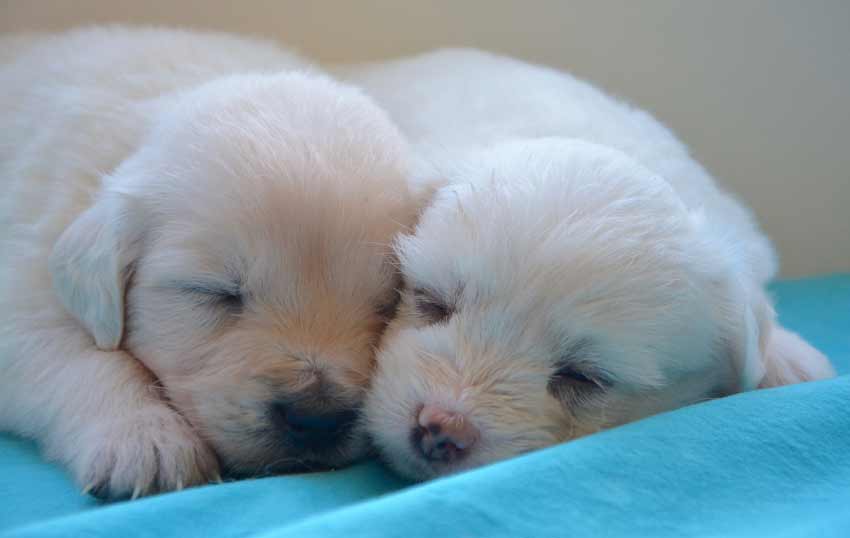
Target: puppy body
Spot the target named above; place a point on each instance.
(193, 255)
(451, 103)
(580, 269)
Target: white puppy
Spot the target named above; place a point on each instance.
(578, 271)
(195, 257)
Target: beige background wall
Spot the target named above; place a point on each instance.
(758, 89)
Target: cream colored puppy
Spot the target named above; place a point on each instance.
(578, 271)
(194, 256)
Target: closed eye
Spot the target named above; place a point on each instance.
(430, 307)
(577, 378)
(576, 387)
(574, 380)
(226, 296)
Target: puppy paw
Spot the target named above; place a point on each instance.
(153, 450)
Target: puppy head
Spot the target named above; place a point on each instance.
(244, 255)
(561, 288)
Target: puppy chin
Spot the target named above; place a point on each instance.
(262, 457)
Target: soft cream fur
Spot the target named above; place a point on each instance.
(190, 232)
(591, 271)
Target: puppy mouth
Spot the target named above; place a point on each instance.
(296, 466)
(285, 460)
(269, 450)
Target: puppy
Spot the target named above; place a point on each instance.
(578, 271)
(195, 261)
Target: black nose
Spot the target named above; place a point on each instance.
(312, 430)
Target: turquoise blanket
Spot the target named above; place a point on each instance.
(766, 463)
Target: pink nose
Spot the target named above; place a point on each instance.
(443, 436)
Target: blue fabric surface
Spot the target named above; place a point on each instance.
(766, 463)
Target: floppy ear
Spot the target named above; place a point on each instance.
(90, 265)
(747, 345)
(789, 359)
(744, 314)
(775, 356)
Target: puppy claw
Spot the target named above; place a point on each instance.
(216, 479)
(87, 489)
(155, 452)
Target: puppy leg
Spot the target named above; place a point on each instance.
(790, 359)
(99, 413)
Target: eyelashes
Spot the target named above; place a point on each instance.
(431, 308)
(573, 381)
(575, 387)
(229, 297)
(578, 378)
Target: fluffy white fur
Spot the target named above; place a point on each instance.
(191, 234)
(578, 271)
